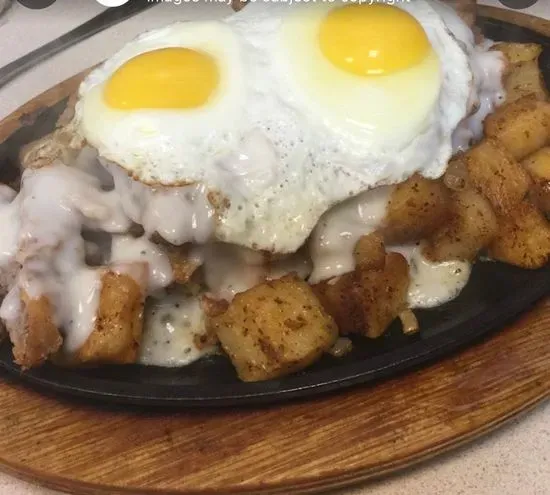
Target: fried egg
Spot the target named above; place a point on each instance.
(282, 112)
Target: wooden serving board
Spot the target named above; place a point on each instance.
(300, 447)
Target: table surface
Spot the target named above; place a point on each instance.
(515, 459)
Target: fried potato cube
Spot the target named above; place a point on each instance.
(366, 301)
(119, 322)
(417, 207)
(34, 335)
(369, 252)
(524, 79)
(523, 238)
(471, 227)
(273, 329)
(538, 166)
(521, 127)
(494, 173)
(516, 53)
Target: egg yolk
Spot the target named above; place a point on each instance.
(169, 78)
(369, 40)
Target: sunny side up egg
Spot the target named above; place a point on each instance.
(284, 112)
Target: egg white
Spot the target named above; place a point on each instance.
(270, 142)
(168, 146)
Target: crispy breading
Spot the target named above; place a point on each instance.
(523, 238)
(470, 228)
(274, 329)
(495, 173)
(34, 336)
(366, 301)
(416, 209)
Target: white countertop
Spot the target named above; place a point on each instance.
(516, 459)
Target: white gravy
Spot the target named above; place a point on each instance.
(178, 214)
(171, 326)
(55, 204)
(125, 248)
(9, 220)
(433, 284)
(298, 263)
(230, 269)
(333, 240)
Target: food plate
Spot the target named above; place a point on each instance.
(495, 294)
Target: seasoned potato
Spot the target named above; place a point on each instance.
(516, 53)
(34, 335)
(494, 173)
(525, 79)
(523, 238)
(119, 323)
(521, 127)
(273, 329)
(416, 208)
(366, 301)
(369, 252)
(538, 166)
(470, 228)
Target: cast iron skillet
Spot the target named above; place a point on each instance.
(495, 294)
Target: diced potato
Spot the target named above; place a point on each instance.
(525, 79)
(273, 329)
(494, 173)
(523, 238)
(119, 323)
(471, 227)
(538, 166)
(417, 207)
(367, 301)
(521, 127)
(369, 252)
(516, 53)
(34, 335)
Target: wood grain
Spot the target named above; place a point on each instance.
(295, 448)
(304, 446)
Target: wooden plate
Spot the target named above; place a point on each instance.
(299, 447)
